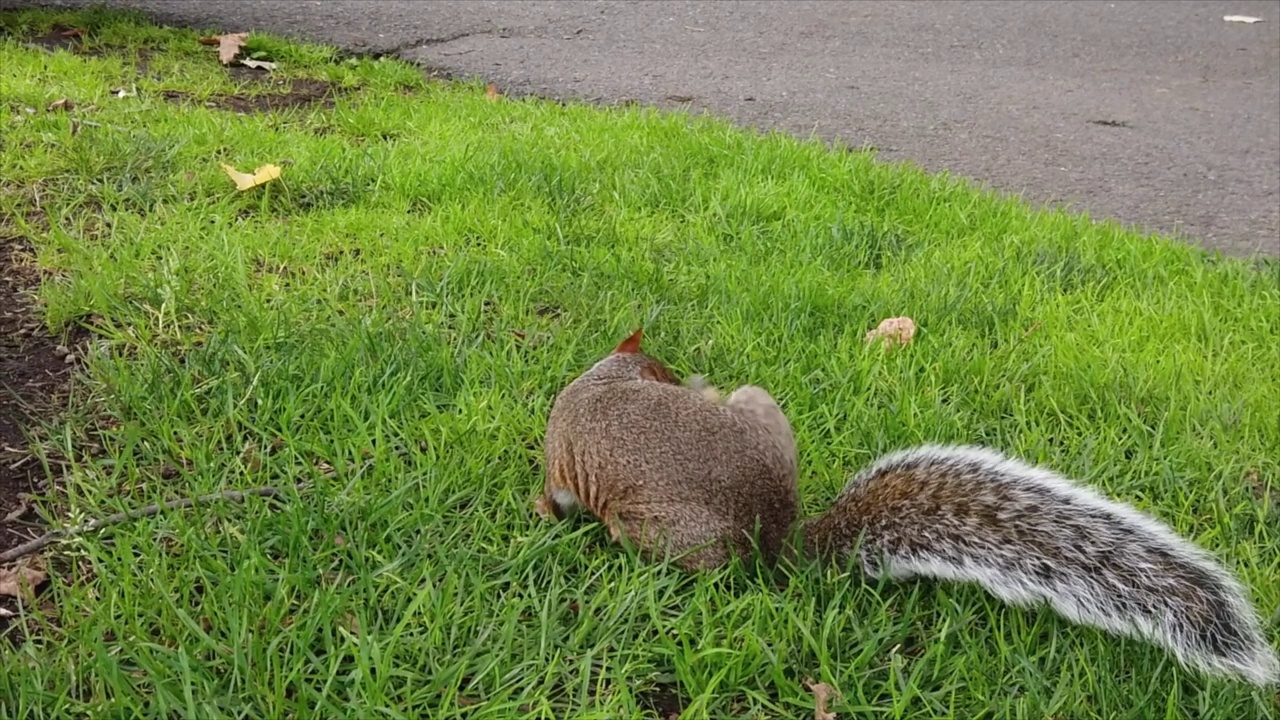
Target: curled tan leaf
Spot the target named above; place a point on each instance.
(20, 582)
(491, 91)
(897, 330)
(822, 695)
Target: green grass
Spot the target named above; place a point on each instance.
(433, 267)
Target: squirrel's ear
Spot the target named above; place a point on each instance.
(631, 344)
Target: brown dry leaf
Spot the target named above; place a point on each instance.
(822, 694)
(351, 623)
(71, 33)
(491, 91)
(1253, 479)
(898, 330)
(228, 45)
(60, 104)
(249, 456)
(245, 181)
(24, 504)
(20, 582)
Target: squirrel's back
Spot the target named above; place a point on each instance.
(1028, 535)
(668, 468)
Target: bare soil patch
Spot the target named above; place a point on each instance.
(291, 94)
(60, 37)
(34, 376)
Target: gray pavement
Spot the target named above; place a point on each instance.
(1155, 113)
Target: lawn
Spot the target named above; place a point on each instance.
(402, 306)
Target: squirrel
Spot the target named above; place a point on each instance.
(672, 468)
(616, 433)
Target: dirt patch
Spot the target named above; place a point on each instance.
(60, 37)
(272, 94)
(34, 374)
(664, 700)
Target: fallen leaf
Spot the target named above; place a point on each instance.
(1242, 19)
(20, 582)
(898, 330)
(258, 64)
(249, 456)
(23, 507)
(60, 104)
(245, 181)
(822, 694)
(228, 45)
(1253, 479)
(351, 623)
(491, 91)
(73, 32)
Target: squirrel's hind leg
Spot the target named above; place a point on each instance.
(558, 504)
(690, 539)
(699, 384)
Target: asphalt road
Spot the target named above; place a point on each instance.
(1158, 114)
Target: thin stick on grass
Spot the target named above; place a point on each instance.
(36, 544)
(52, 536)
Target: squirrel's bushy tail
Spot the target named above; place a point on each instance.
(1028, 535)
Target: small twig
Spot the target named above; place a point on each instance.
(23, 461)
(180, 504)
(91, 123)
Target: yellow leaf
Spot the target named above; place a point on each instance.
(245, 181)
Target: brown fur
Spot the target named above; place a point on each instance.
(661, 465)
